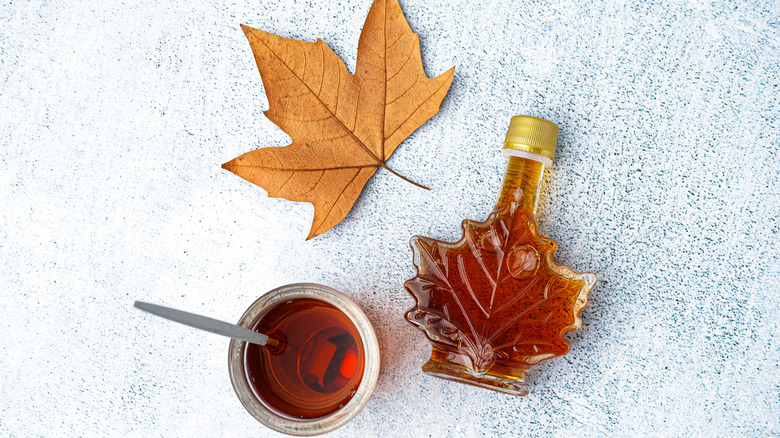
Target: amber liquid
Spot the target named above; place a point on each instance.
(493, 304)
(318, 365)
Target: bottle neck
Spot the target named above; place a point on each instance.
(522, 182)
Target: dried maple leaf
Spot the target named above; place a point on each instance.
(343, 127)
(496, 296)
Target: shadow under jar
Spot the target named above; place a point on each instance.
(324, 369)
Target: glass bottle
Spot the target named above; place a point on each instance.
(494, 303)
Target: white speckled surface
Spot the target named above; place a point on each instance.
(115, 118)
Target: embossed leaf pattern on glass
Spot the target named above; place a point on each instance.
(496, 295)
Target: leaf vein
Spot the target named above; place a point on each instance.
(297, 169)
(415, 111)
(333, 205)
(408, 57)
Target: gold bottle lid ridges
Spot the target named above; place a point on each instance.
(532, 134)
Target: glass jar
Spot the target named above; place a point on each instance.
(260, 408)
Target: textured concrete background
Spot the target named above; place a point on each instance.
(117, 116)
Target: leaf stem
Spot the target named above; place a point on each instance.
(383, 165)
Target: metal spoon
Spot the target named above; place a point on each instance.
(208, 324)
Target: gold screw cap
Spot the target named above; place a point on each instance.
(532, 134)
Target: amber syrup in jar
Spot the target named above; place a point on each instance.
(317, 366)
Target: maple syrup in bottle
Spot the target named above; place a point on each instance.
(321, 371)
(494, 303)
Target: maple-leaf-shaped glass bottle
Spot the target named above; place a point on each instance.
(494, 303)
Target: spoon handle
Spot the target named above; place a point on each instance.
(206, 323)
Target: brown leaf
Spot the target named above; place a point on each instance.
(343, 127)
